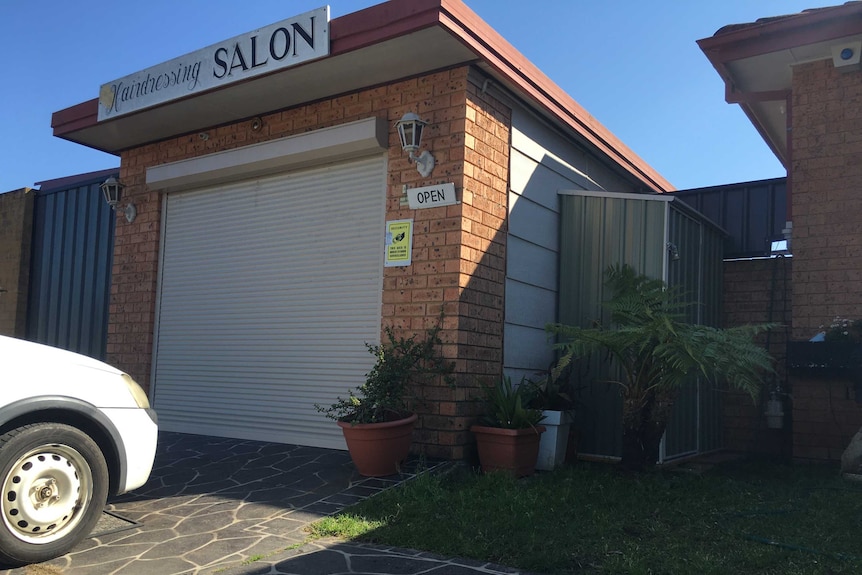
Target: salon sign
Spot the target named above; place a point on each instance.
(274, 47)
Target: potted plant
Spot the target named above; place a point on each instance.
(508, 436)
(553, 395)
(655, 351)
(376, 418)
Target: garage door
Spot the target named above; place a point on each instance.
(269, 290)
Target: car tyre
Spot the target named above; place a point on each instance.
(54, 482)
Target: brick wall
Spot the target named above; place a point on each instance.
(458, 255)
(758, 291)
(825, 417)
(16, 232)
(827, 243)
(826, 199)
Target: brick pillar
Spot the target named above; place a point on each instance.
(134, 274)
(827, 204)
(826, 139)
(459, 251)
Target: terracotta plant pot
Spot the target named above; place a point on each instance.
(377, 449)
(512, 450)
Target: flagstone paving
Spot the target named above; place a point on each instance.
(234, 507)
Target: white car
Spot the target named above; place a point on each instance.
(72, 431)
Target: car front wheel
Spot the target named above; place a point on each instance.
(55, 485)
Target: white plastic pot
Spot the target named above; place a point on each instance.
(552, 447)
(774, 414)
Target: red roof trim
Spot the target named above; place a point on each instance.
(783, 33)
(77, 117)
(380, 23)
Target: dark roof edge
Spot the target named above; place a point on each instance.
(77, 180)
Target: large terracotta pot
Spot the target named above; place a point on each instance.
(377, 449)
(512, 450)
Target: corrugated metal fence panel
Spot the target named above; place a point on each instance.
(270, 289)
(596, 232)
(70, 273)
(684, 273)
(752, 213)
(695, 423)
(599, 231)
(711, 427)
(605, 229)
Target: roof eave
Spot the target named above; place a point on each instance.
(391, 20)
(775, 35)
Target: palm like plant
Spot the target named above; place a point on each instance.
(656, 351)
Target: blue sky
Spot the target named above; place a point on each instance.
(633, 65)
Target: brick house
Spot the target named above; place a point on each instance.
(253, 273)
(798, 78)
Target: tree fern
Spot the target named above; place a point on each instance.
(656, 352)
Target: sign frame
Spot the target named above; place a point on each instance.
(432, 196)
(274, 47)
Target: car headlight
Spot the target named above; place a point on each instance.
(137, 392)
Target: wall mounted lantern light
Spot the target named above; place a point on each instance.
(112, 188)
(410, 128)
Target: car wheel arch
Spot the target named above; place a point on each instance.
(76, 413)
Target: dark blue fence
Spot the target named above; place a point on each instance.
(752, 213)
(70, 272)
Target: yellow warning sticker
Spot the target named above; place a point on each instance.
(399, 242)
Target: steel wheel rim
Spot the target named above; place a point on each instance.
(46, 492)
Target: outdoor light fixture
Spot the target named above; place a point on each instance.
(112, 188)
(779, 247)
(410, 128)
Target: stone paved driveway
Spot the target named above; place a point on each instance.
(216, 505)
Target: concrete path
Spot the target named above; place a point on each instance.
(234, 507)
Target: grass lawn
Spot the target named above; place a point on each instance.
(742, 517)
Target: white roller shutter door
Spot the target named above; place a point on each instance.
(269, 290)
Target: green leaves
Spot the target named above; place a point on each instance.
(656, 352)
(506, 407)
(655, 348)
(401, 362)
